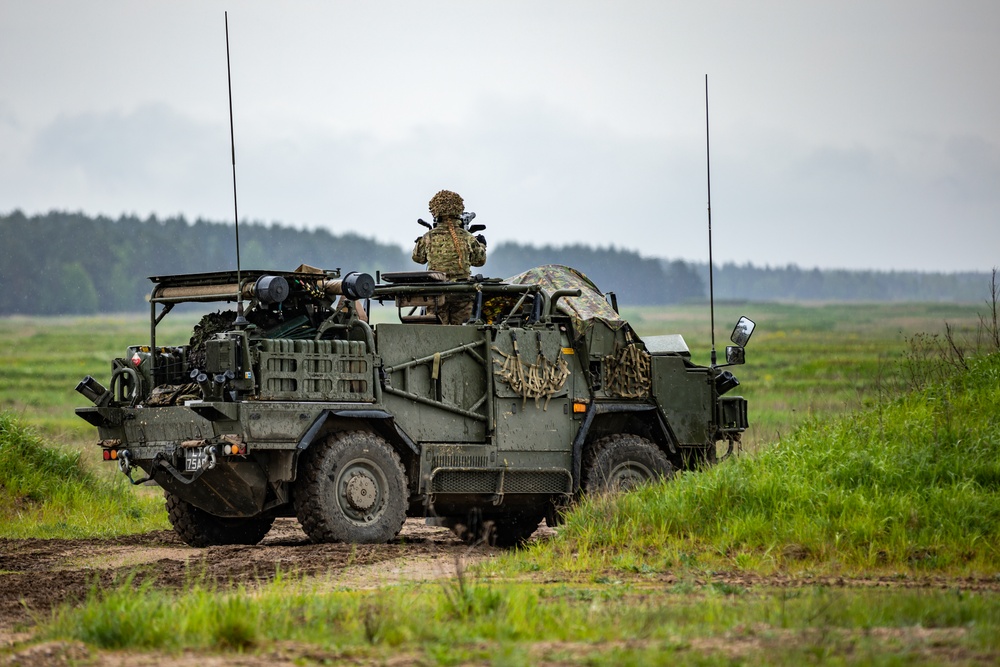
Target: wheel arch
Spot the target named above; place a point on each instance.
(603, 419)
(377, 421)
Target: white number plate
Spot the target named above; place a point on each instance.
(194, 460)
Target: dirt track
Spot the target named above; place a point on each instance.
(36, 574)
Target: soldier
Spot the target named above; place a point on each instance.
(453, 251)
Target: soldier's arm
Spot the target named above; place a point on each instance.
(477, 252)
(420, 250)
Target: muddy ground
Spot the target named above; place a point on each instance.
(37, 575)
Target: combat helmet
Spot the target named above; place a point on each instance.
(446, 204)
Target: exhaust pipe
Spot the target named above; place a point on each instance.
(95, 392)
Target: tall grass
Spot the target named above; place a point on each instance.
(46, 492)
(912, 483)
(521, 623)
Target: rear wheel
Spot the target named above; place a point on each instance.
(351, 488)
(198, 528)
(622, 462)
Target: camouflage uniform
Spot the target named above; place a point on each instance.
(451, 250)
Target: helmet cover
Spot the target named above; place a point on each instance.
(446, 204)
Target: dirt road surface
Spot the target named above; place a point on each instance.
(37, 575)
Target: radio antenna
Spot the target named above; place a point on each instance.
(240, 320)
(708, 167)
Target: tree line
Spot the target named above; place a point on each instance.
(70, 263)
(792, 283)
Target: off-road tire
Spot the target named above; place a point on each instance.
(351, 487)
(198, 528)
(621, 462)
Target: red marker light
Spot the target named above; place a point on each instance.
(136, 359)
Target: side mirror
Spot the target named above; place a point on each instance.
(735, 355)
(742, 332)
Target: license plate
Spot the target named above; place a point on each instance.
(194, 460)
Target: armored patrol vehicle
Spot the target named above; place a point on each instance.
(303, 408)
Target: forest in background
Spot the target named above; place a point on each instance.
(71, 263)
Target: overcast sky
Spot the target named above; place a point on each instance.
(843, 134)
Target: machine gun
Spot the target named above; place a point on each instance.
(464, 220)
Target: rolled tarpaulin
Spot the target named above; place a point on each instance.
(201, 293)
(267, 289)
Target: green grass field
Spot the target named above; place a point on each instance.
(802, 360)
(806, 361)
(864, 463)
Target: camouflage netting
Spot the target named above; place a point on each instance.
(174, 394)
(627, 370)
(207, 326)
(538, 380)
(446, 203)
(583, 309)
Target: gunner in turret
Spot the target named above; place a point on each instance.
(452, 250)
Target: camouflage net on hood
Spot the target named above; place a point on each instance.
(627, 370)
(583, 309)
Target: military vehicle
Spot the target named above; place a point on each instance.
(302, 408)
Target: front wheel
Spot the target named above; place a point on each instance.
(351, 488)
(198, 528)
(622, 462)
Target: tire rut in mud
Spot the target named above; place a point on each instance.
(37, 575)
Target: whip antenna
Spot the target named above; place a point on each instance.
(240, 320)
(708, 167)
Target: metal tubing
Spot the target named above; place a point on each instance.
(436, 404)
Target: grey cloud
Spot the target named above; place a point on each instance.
(150, 147)
(534, 174)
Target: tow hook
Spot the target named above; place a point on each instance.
(125, 463)
(210, 457)
(126, 466)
